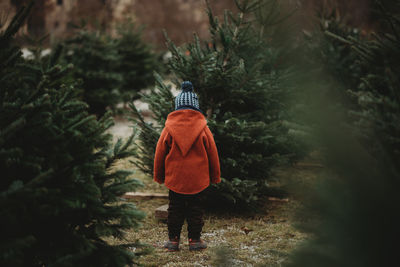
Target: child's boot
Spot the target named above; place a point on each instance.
(172, 244)
(197, 244)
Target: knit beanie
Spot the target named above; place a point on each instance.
(187, 98)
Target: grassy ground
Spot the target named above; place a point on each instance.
(268, 243)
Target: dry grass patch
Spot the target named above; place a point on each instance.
(270, 238)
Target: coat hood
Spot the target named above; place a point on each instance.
(185, 126)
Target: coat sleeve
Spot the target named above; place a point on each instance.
(213, 159)
(159, 158)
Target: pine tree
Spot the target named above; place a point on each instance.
(377, 95)
(59, 191)
(161, 102)
(355, 207)
(327, 48)
(112, 69)
(96, 60)
(240, 88)
(137, 61)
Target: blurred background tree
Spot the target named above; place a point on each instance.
(95, 58)
(351, 215)
(137, 61)
(36, 21)
(112, 69)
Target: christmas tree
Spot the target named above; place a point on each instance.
(137, 61)
(59, 191)
(112, 69)
(96, 59)
(354, 208)
(377, 94)
(327, 49)
(239, 81)
(160, 103)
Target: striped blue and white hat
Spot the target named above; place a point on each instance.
(187, 98)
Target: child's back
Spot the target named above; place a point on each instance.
(186, 161)
(186, 157)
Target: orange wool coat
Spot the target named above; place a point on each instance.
(186, 158)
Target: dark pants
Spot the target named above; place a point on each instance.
(183, 207)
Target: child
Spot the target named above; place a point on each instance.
(186, 161)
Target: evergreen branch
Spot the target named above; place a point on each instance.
(17, 21)
(13, 56)
(129, 142)
(40, 179)
(337, 37)
(235, 34)
(271, 12)
(388, 17)
(55, 56)
(213, 22)
(11, 129)
(137, 113)
(282, 19)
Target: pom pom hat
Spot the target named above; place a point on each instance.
(187, 98)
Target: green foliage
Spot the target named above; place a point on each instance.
(112, 69)
(137, 62)
(327, 52)
(356, 204)
(377, 96)
(350, 215)
(160, 103)
(95, 59)
(333, 66)
(338, 57)
(241, 90)
(59, 191)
